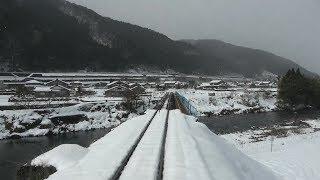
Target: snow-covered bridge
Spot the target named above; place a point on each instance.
(162, 144)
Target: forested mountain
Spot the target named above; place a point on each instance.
(56, 35)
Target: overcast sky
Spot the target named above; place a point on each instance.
(289, 28)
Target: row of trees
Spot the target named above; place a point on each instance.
(297, 91)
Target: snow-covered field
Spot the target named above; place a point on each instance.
(293, 157)
(226, 102)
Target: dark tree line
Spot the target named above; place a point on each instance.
(297, 91)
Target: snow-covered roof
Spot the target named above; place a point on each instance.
(116, 82)
(42, 89)
(205, 84)
(33, 82)
(59, 86)
(170, 82)
(119, 87)
(57, 80)
(216, 81)
(137, 87)
(49, 88)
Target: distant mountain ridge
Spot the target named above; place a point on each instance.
(240, 59)
(56, 35)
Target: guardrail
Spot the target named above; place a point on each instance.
(187, 104)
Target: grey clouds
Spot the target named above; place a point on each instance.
(288, 28)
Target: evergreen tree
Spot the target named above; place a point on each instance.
(297, 90)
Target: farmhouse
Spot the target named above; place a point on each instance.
(58, 82)
(117, 91)
(27, 82)
(116, 84)
(169, 84)
(53, 91)
(219, 84)
(138, 89)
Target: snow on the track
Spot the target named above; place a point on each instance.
(194, 152)
(105, 155)
(144, 162)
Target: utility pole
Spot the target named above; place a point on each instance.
(272, 140)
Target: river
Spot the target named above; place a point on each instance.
(16, 152)
(243, 122)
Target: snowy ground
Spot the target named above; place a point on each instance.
(192, 152)
(23, 123)
(97, 110)
(228, 102)
(294, 156)
(101, 158)
(4, 100)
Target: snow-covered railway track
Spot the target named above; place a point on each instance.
(162, 144)
(134, 150)
(145, 159)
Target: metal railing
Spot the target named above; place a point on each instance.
(187, 104)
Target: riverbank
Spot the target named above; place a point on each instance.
(16, 152)
(291, 152)
(81, 117)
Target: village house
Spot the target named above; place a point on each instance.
(29, 83)
(101, 85)
(169, 84)
(160, 87)
(116, 84)
(117, 91)
(76, 84)
(219, 84)
(2, 86)
(33, 83)
(58, 82)
(205, 86)
(132, 85)
(263, 84)
(138, 89)
(51, 91)
(214, 85)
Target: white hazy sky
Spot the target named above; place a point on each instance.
(289, 28)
